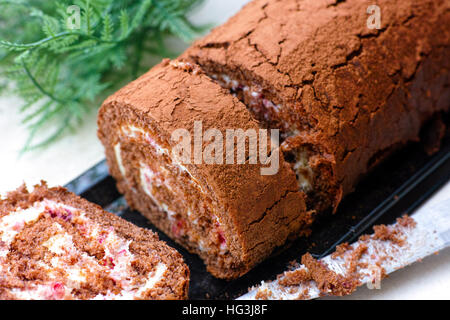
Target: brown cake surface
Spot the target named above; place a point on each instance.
(344, 95)
(231, 215)
(55, 245)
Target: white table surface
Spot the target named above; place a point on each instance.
(74, 153)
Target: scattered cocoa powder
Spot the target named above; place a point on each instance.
(304, 295)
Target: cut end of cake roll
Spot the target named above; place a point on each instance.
(230, 214)
(335, 87)
(57, 246)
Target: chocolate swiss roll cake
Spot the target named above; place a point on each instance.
(55, 245)
(344, 92)
(231, 213)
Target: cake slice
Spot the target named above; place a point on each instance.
(55, 245)
(232, 215)
(344, 94)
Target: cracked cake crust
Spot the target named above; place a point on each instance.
(255, 213)
(353, 93)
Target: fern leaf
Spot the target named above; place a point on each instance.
(62, 73)
(124, 24)
(107, 28)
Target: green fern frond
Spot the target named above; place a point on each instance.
(63, 73)
(124, 24)
(107, 28)
(140, 14)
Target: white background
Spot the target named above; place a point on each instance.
(73, 154)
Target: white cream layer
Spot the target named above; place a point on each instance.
(301, 167)
(303, 171)
(118, 153)
(67, 260)
(150, 180)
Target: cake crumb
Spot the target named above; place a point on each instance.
(264, 294)
(294, 277)
(356, 256)
(385, 233)
(327, 280)
(340, 250)
(406, 222)
(361, 261)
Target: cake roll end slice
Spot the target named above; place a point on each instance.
(57, 246)
(227, 212)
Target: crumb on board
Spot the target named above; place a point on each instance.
(359, 262)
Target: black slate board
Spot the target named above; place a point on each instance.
(396, 187)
